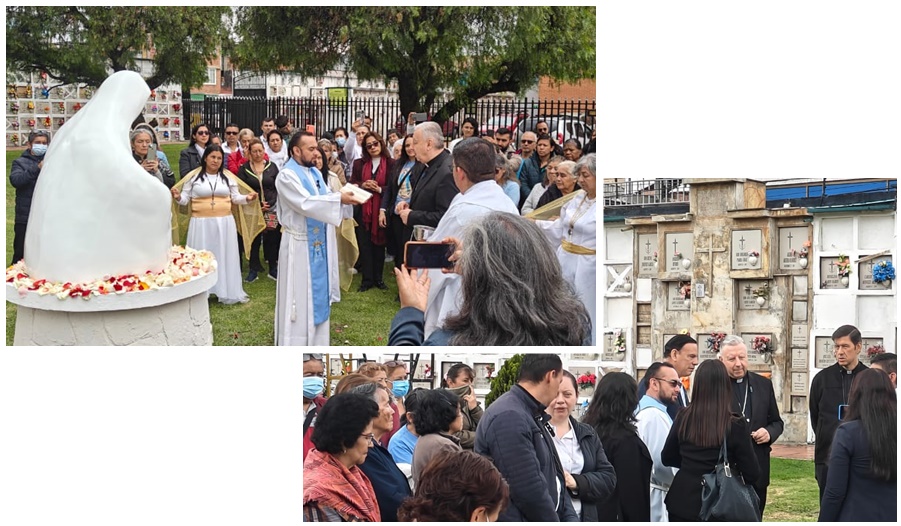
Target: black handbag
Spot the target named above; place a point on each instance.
(725, 496)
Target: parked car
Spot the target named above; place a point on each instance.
(560, 127)
(449, 128)
(504, 120)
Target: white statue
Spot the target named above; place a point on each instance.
(95, 211)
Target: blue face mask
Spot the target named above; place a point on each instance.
(38, 150)
(400, 387)
(313, 386)
(341, 141)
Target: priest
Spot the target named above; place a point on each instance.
(308, 259)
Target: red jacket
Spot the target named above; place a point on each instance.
(310, 423)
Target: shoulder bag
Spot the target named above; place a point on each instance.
(725, 496)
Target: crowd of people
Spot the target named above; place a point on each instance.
(523, 221)
(639, 452)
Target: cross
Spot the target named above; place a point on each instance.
(790, 239)
(742, 241)
(710, 251)
(647, 250)
(831, 266)
(675, 243)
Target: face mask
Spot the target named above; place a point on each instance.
(341, 141)
(334, 154)
(400, 388)
(313, 386)
(38, 150)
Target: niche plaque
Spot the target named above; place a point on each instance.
(829, 278)
(679, 247)
(647, 255)
(791, 241)
(674, 300)
(866, 274)
(746, 243)
(748, 299)
(823, 352)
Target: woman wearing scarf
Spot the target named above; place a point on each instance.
(334, 487)
(371, 174)
(220, 206)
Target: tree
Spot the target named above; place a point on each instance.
(81, 44)
(505, 379)
(469, 51)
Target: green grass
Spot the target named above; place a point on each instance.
(793, 495)
(358, 319)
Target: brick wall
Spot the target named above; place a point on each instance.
(549, 89)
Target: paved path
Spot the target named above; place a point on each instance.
(793, 451)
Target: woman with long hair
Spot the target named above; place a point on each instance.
(370, 173)
(513, 292)
(862, 483)
(189, 158)
(253, 173)
(469, 128)
(694, 442)
(211, 192)
(612, 414)
(457, 486)
(589, 477)
(399, 190)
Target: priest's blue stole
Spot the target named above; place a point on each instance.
(316, 243)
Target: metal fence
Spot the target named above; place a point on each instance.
(327, 114)
(645, 192)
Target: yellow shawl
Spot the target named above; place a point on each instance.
(248, 218)
(553, 208)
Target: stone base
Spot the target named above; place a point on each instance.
(183, 322)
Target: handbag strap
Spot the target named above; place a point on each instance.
(724, 455)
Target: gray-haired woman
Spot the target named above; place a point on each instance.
(513, 292)
(141, 144)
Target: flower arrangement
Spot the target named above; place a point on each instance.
(685, 290)
(677, 255)
(761, 344)
(844, 266)
(873, 350)
(427, 371)
(184, 264)
(805, 250)
(587, 380)
(14, 107)
(619, 341)
(754, 254)
(714, 341)
(655, 256)
(883, 271)
(762, 292)
(489, 371)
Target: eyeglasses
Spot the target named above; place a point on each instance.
(371, 145)
(675, 383)
(312, 356)
(370, 436)
(203, 132)
(526, 141)
(231, 133)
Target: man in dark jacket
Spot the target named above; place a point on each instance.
(829, 394)
(432, 180)
(755, 399)
(514, 433)
(24, 176)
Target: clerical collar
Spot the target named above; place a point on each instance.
(739, 380)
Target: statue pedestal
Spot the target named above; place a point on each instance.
(177, 315)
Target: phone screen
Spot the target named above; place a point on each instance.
(842, 410)
(151, 153)
(428, 255)
(360, 115)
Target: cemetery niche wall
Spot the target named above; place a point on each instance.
(731, 261)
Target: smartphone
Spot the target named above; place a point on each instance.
(361, 115)
(842, 409)
(422, 254)
(151, 153)
(420, 117)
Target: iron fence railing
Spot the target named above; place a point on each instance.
(327, 114)
(629, 192)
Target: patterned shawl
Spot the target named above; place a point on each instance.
(329, 483)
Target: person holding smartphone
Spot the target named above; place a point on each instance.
(144, 152)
